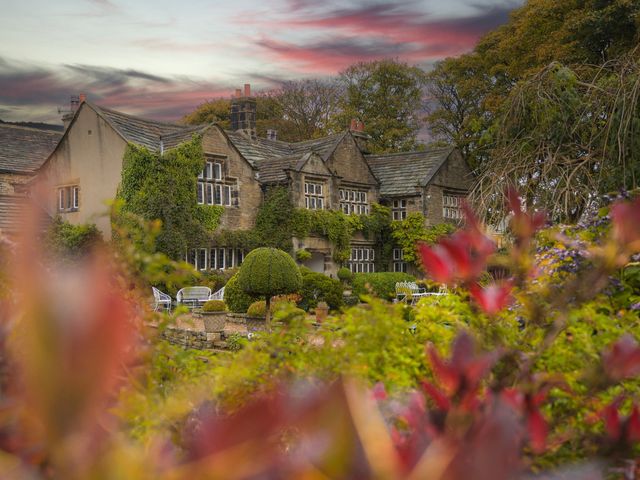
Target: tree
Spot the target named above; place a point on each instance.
(217, 110)
(269, 271)
(387, 95)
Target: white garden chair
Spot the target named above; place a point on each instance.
(219, 295)
(193, 296)
(161, 300)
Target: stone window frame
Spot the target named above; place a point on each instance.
(354, 200)
(452, 205)
(68, 198)
(362, 259)
(214, 188)
(215, 258)
(314, 199)
(399, 209)
(399, 265)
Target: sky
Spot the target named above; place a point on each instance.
(162, 58)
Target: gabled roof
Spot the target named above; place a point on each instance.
(274, 170)
(24, 149)
(405, 173)
(142, 131)
(258, 149)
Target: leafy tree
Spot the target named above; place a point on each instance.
(217, 110)
(387, 95)
(268, 272)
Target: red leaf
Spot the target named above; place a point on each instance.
(448, 377)
(633, 425)
(436, 263)
(379, 392)
(622, 359)
(538, 430)
(626, 223)
(611, 418)
(493, 298)
(524, 224)
(442, 402)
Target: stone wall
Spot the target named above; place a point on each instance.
(192, 339)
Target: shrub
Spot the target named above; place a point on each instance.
(214, 306)
(317, 287)
(72, 241)
(345, 275)
(267, 272)
(382, 284)
(236, 299)
(257, 309)
(303, 255)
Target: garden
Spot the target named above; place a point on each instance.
(533, 373)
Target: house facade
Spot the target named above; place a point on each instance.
(333, 172)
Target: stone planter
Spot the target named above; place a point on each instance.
(214, 321)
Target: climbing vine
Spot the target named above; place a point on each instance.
(162, 187)
(407, 233)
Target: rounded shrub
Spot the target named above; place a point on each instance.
(317, 287)
(257, 309)
(237, 299)
(214, 306)
(345, 275)
(382, 284)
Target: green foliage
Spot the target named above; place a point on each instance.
(235, 297)
(214, 306)
(345, 275)
(213, 111)
(257, 309)
(274, 220)
(317, 287)
(68, 241)
(381, 284)
(303, 255)
(387, 96)
(409, 232)
(163, 187)
(269, 271)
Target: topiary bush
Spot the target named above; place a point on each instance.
(382, 284)
(257, 309)
(214, 306)
(303, 255)
(237, 299)
(345, 275)
(317, 287)
(268, 272)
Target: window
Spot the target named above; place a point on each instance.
(313, 196)
(452, 206)
(399, 265)
(399, 209)
(362, 260)
(68, 198)
(213, 189)
(217, 258)
(354, 201)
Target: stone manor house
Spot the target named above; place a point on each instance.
(334, 172)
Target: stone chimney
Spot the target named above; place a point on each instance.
(243, 111)
(357, 131)
(74, 104)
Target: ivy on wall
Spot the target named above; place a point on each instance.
(407, 233)
(163, 187)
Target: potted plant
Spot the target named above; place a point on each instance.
(214, 315)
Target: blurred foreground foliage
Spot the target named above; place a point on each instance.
(538, 372)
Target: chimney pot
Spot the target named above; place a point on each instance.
(82, 97)
(238, 93)
(247, 89)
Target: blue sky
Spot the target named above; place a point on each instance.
(163, 58)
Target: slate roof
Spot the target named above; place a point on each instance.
(23, 149)
(142, 131)
(259, 149)
(402, 174)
